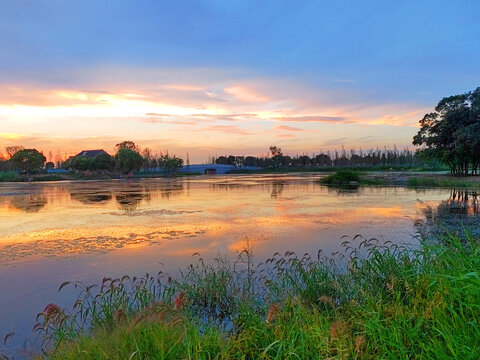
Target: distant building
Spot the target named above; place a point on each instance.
(91, 153)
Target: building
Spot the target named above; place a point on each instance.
(91, 153)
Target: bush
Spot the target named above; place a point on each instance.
(9, 176)
(342, 177)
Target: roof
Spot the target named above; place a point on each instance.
(91, 153)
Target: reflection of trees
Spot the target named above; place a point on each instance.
(459, 211)
(92, 197)
(129, 200)
(171, 190)
(345, 190)
(29, 203)
(277, 190)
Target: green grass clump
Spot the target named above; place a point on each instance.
(9, 176)
(428, 182)
(342, 177)
(350, 178)
(370, 301)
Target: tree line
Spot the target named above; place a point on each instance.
(342, 158)
(128, 158)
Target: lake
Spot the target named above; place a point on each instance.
(54, 232)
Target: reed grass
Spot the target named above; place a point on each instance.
(429, 182)
(370, 301)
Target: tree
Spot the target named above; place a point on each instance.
(275, 151)
(128, 160)
(103, 162)
(12, 150)
(28, 160)
(49, 165)
(169, 164)
(127, 145)
(451, 132)
(148, 158)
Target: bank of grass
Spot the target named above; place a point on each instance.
(9, 176)
(346, 178)
(432, 182)
(371, 301)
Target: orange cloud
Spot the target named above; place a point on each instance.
(246, 94)
(288, 128)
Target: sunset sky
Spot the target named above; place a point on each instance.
(229, 77)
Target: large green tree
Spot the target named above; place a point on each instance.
(128, 160)
(28, 160)
(170, 164)
(452, 132)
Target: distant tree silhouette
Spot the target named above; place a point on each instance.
(385, 157)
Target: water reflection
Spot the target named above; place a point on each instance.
(94, 217)
(129, 200)
(171, 191)
(94, 197)
(29, 203)
(277, 189)
(461, 209)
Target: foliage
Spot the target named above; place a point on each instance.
(452, 132)
(349, 179)
(83, 163)
(428, 182)
(28, 160)
(370, 158)
(342, 177)
(127, 145)
(370, 301)
(128, 160)
(169, 164)
(12, 150)
(9, 176)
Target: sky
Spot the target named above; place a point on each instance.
(229, 77)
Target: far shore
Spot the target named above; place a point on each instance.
(412, 178)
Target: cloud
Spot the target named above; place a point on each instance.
(288, 128)
(229, 129)
(246, 94)
(314, 118)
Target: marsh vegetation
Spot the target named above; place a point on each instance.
(368, 301)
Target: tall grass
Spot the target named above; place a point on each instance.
(428, 182)
(370, 301)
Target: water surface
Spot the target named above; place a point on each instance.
(53, 232)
